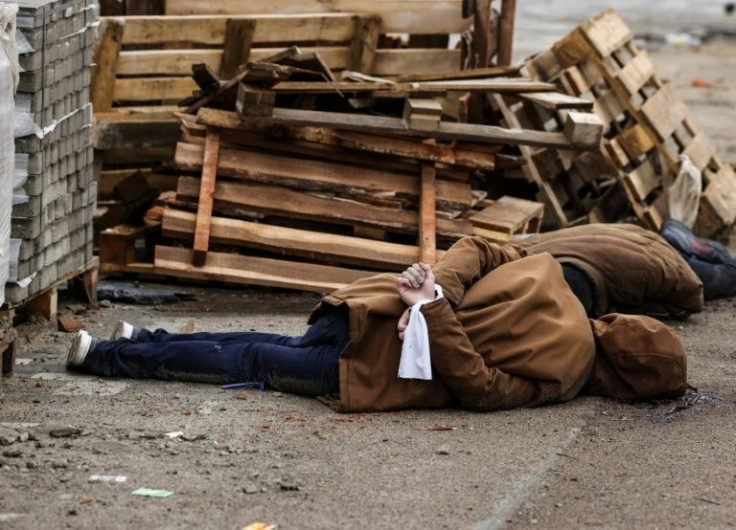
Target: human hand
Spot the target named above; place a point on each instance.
(416, 283)
(404, 323)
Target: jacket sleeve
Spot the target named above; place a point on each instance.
(462, 369)
(469, 260)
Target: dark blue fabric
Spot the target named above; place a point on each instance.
(719, 279)
(306, 365)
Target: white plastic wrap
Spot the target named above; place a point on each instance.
(684, 194)
(8, 83)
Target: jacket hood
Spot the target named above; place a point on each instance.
(636, 358)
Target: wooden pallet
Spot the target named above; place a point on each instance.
(45, 303)
(8, 343)
(572, 185)
(647, 124)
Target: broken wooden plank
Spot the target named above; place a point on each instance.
(557, 101)
(249, 270)
(236, 199)
(471, 73)
(206, 197)
(323, 246)
(363, 46)
(456, 154)
(236, 49)
(105, 62)
(319, 175)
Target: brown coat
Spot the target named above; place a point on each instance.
(634, 270)
(509, 333)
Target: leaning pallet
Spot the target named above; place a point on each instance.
(647, 124)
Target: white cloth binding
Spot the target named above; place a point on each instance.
(415, 362)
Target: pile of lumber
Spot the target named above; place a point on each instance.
(293, 181)
(295, 174)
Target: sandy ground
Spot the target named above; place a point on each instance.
(245, 456)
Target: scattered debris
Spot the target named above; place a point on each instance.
(65, 433)
(107, 478)
(438, 428)
(147, 492)
(69, 324)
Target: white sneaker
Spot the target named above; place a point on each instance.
(124, 330)
(81, 346)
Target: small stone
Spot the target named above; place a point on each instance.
(31, 464)
(73, 511)
(250, 489)
(558, 505)
(444, 450)
(107, 304)
(12, 453)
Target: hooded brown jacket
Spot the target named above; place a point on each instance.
(633, 270)
(508, 333)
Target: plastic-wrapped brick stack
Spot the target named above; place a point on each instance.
(8, 80)
(54, 195)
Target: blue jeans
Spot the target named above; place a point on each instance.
(719, 278)
(305, 365)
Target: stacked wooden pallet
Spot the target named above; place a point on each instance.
(647, 126)
(313, 199)
(54, 200)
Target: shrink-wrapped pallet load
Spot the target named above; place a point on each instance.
(8, 82)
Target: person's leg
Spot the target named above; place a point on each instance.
(306, 365)
(719, 279)
(161, 335)
(681, 238)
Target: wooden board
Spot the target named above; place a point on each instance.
(179, 62)
(212, 29)
(494, 84)
(106, 54)
(206, 197)
(428, 215)
(323, 246)
(486, 134)
(557, 101)
(417, 16)
(249, 270)
(318, 175)
(237, 198)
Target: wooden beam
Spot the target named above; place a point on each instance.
(494, 84)
(249, 270)
(206, 197)
(236, 50)
(364, 44)
(428, 216)
(106, 52)
(506, 33)
(324, 246)
(484, 134)
(471, 73)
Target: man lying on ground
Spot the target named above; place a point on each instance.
(628, 269)
(505, 331)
